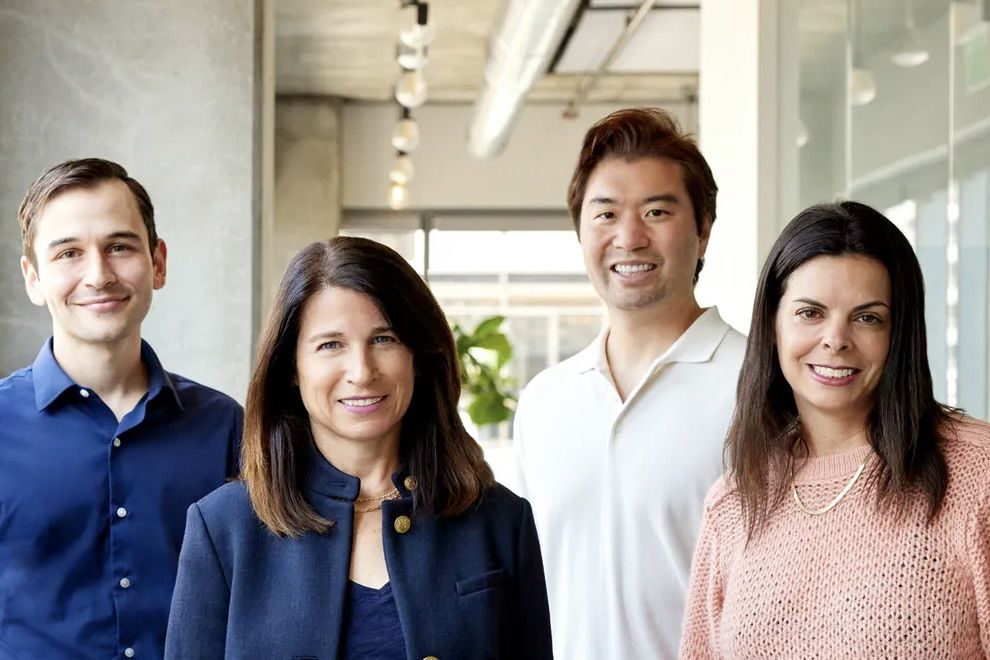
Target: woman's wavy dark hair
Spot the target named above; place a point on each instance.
(448, 463)
(906, 425)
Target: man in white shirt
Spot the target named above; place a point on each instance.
(617, 446)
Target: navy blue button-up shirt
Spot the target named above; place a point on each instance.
(92, 510)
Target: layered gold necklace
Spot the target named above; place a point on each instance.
(378, 501)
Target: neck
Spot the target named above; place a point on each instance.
(827, 434)
(637, 338)
(372, 461)
(114, 370)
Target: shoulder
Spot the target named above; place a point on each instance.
(197, 395)
(966, 447)
(561, 375)
(733, 344)
(228, 506)
(503, 506)
(16, 380)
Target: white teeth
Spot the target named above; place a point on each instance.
(625, 269)
(362, 403)
(828, 372)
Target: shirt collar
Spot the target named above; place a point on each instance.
(50, 381)
(321, 476)
(696, 344)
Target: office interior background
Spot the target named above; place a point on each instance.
(259, 126)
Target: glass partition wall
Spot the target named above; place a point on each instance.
(888, 102)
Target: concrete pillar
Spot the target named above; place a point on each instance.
(307, 182)
(172, 91)
(739, 126)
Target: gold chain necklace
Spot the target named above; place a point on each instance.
(390, 495)
(828, 507)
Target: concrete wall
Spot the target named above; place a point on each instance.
(307, 181)
(172, 91)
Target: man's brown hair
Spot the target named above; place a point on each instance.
(86, 173)
(637, 133)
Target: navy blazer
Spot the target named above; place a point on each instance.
(468, 587)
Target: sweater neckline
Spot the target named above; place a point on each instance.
(832, 466)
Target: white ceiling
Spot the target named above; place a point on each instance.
(346, 48)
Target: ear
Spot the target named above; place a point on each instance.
(158, 257)
(703, 235)
(32, 283)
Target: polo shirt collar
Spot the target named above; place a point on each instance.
(50, 381)
(696, 344)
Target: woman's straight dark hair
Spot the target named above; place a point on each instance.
(449, 465)
(906, 425)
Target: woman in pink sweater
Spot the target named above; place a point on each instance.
(854, 521)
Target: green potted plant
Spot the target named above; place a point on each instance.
(483, 354)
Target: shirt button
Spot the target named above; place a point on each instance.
(84, 394)
(431, 657)
(128, 652)
(116, 442)
(402, 524)
(125, 583)
(121, 512)
(410, 483)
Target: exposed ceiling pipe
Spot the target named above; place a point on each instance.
(588, 80)
(520, 51)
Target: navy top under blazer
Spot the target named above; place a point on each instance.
(466, 587)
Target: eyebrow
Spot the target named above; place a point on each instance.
(670, 198)
(857, 308)
(337, 334)
(117, 235)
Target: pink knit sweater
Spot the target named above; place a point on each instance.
(852, 583)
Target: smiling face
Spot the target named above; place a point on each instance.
(638, 234)
(833, 333)
(92, 266)
(354, 375)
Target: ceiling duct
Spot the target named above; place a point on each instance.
(521, 49)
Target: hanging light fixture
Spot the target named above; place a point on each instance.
(411, 59)
(910, 51)
(398, 196)
(862, 86)
(411, 91)
(421, 34)
(405, 135)
(802, 134)
(402, 169)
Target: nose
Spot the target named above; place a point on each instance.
(836, 338)
(99, 274)
(361, 370)
(630, 233)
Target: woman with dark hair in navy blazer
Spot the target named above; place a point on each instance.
(367, 524)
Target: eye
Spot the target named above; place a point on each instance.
(605, 215)
(870, 318)
(656, 213)
(808, 313)
(328, 345)
(120, 247)
(384, 339)
(71, 253)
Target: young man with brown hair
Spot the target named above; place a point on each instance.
(101, 449)
(617, 446)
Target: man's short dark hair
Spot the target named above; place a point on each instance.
(86, 173)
